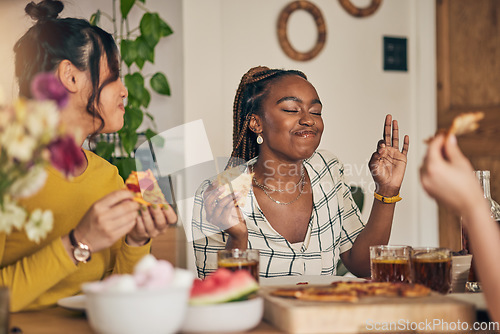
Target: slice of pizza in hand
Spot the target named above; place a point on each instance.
(462, 124)
(465, 123)
(240, 183)
(145, 188)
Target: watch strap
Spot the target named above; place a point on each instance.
(387, 200)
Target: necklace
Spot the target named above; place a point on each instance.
(301, 183)
(264, 187)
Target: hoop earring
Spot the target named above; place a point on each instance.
(260, 140)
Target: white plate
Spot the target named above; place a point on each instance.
(310, 279)
(476, 298)
(225, 317)
(73, 303)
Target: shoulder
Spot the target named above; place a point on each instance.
(101, 168)
(324, 159)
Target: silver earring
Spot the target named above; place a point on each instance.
(260, 140)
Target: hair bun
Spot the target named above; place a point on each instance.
(44, 10)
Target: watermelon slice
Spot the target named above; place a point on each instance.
(223, 286)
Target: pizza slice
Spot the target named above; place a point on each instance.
(238, 181)
(145, 188)
(462, 124)
(465, 123)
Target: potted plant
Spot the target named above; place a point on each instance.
(137, 46)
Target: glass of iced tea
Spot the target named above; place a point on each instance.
(431, 266)
(390, 263)
(236, 259)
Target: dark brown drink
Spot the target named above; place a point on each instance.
(237, 264)
(433, 273)
(390, 270)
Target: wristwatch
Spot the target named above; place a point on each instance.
(81, 252)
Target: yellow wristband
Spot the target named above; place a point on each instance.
(387, 200)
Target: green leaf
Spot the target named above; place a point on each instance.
(151, 117)
(158, 141)
(133, 118)
(143, 1)
(125, 166)
(126, 6)
(151, 28)
(144, 51)
(129, 140)
(165, 29)
(140, 62)
(146, 98)
(128, 51)
(105, 150)
(159, 84)
(95, 18)
(135, 85)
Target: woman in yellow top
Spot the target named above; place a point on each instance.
(91, 210)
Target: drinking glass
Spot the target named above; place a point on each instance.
(390, 263)
(431, 266)
(236, 259)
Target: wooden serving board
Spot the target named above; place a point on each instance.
(431, 314)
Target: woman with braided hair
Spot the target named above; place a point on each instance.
(299, 212)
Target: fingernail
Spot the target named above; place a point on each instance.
(452, 139)
(143, 207)
(155, 206)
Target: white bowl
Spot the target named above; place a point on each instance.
(152, 311)
(223, 318)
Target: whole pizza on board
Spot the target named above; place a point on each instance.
(349, 291)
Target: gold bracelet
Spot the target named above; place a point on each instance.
(387, 200)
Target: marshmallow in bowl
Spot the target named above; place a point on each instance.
(148, 273)
(153, 273)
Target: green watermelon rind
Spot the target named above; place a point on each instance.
(232, 296)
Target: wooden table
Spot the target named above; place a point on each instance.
(58, 320)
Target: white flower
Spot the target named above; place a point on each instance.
(39, 225)
(30, 183)
(43, 119)
(11, 215)
(17, 143)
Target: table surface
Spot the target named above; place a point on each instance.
(58, 320)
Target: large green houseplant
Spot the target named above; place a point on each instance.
(137, 46)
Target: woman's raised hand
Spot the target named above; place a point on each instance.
(387, 163)
(447, 175)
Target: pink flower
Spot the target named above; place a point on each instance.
(65, 155)
(45, 86)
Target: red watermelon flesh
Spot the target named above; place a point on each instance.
(223, 286)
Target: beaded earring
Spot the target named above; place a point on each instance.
(260, 140)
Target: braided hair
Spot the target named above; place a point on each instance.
(51, 40)
(252, 90)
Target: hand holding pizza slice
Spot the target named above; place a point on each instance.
(146, 189)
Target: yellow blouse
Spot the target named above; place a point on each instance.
(38, 275)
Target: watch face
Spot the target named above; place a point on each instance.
(81, 254)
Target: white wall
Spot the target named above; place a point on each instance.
(224, 38)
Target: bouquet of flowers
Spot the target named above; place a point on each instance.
(31, 138)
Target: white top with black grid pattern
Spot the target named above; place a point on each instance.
(334, 225)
